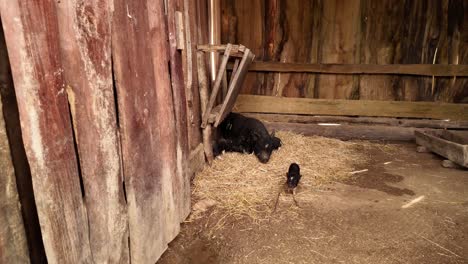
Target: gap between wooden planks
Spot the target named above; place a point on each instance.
(306, 106)
(447, 70)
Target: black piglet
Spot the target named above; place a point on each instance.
(293, 176)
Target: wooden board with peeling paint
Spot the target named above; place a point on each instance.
(85, 43)
(46, 128)
(148, 130)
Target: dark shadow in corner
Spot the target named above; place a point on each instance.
(20, 162)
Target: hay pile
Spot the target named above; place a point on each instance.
(243, 186)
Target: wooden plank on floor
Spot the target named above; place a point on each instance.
(304, 106)
(390, 121)
(447, 70)
(347, 132)
(86, 60)
(148, 132)
(13, 244)
(31, 33)
(440, 142)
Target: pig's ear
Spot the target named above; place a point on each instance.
(273, 133)
(276, 142)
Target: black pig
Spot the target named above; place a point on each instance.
(293, 176)
(238, 133)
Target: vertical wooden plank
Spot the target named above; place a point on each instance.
(85, 43)
(295, 28)
(453, 50)
(189, 61)
(147, 127)
(338, 45)
(13, 244)
(31, 33)
(19, 159)
(380, 39)
(249, 17)
(180, 109)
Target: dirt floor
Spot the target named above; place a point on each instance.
(365, 220)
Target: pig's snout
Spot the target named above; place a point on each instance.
(263, 156)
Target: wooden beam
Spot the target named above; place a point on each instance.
(408, 69)
(216, 85)
(88, 77)
(307, 119)
(234, 87)
(31, 32)
(347, 132)
(304, 106)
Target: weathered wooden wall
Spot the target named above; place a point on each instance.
(101, 90)
(85, 43)
(352, 32)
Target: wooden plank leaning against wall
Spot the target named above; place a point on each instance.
(19, 159)
(31, 32)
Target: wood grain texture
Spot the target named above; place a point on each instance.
(442, 143)
(180, 107)
(189, 66)
(307, 119)
(47, 132)
(354, 32)
(148, 132)
(13, 243)
(347, 132)
(85, 43)
(398, 69)
(339, 44)
(18, 156)
(305, 106)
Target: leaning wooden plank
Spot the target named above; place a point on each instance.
(19, 159)
(347, 132)
(408, 69)
(180, 109)
(147, 126)
(436, 142)
(13, 244)
(309, 119)
(304, 106)
(85, 43)
(234, 87)
(31, 32)
(216, 86)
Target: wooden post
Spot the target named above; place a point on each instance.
(148, 131)
(191, 73)
(85, 43)
(180, 110)
(203, 87)
(31, 35)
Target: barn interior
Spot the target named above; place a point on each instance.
(111, 109)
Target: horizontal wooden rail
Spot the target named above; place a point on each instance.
(447, 70)
(305, 106)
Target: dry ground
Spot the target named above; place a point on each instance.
(359, 220)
